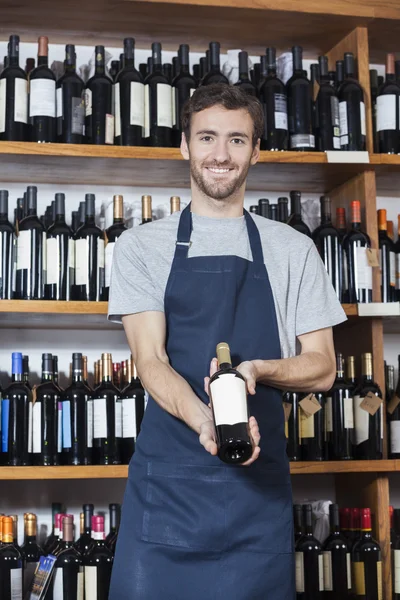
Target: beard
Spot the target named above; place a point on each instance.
(215, 190)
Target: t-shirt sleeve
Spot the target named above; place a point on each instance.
(317, 306)
(131, 288)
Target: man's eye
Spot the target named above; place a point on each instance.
(237, 141)
(206, 138)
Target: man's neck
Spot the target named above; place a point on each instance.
(205, 206)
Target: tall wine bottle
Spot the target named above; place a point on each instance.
(98, 564)
(367, 562)
(283, 212)
(368, 428)
(115, 517)
(244, 81)
(129, 100)
(214, 74)
(274, 101)
(231, 417)
(112, 234)
(337, 564)
(30, 549)
(300, 103)
(394, 423)
(60, 253)
(85, 542)
(351, 108)
(11, 565)
(309, 562)
(132, 411)
(327, 111)
(298, 523)
(292, 425)
(158, 103)
(339, 416)
(70, 94)
(68, 579)
(387, 260)
(46, 432)
(183, 86)
(99, 120)
(295, 219)
(387, 111)
(42, 97)
(359, 272)
(327, 240)
(312, 430)
(13, 97)
(7, 250)
(107, 418)
(56, 508)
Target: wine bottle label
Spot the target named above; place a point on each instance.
(335, 122)
(89, 417)
(302, 141)
(321, 572)
(81, 584)
(21, 100)
(328, 582)
(363, 272)
(16, 584)
(129, 427)
(359, 578)
(98, 535)
(395, 437)
(99, 418)
(42, 98)
(307, 429)
(348, 413)
(109, 251)
(59, 102)
(397, 271)
(3, 91)
(100, 253)
(59, 427)
(328, 416)
(30, 428)
(146, 111)
(137, 104)
(362, 117)
(164, 105)
(281, 118)
(361, 421)
(109, 137)
(118, 418)
(5, 415)
(345, 274)
(299, 572)
(88, 102)
(24, 250)
(379, 580)
(344, 128)
(66, 424)
(174, 101)
(117, 109)
(348, 569)
(396, 571)
(53, 260)
(386, 112)
(81, 262)
(77, 116)
(29, 571)
(37, 427)
(393, 269)
(229, 400)
(58, 585)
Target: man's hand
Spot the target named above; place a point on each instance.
(207, 431)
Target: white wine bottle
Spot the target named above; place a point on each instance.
(230, 411)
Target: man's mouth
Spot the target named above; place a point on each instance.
(219, 171)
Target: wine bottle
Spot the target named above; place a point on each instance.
(132, 411)
(68, 579)
(228, 397)
(60, 252)
(263, 207)
(16, 414)
(295, 219)
(46, 434)
(396, 556)
(339, 416)
(30, 550)
(98, 564)
(56, 509)
(7, 250)
(368, 428)
(147, 215)
(158, 103)
(115, 517)
(387, 260)
(107, 418)
(112, 234)
(327, 111)
(183, 86)
(300, 106)
(129, 101)
(283, 212)
(292, 425)
(367, 562)
(387, 111)
(214, 74)
(175, 202)
(312, 431)
(341, 221)
(327, 240)
(89, 257)
(25, 369)
(29, 65)
(394, 423)
(244, 82)
(99, 120)
(374, 87)
(70, 92)
(42, 97)
(114, 69)
(337, 563)
(298, 522)
(85, 542)
(13, 97)
(359, 273)
(397, 258)
(351, 109)
(309, 562)
(344, 516)
(274, 101)
(11, 565)
(77, 415)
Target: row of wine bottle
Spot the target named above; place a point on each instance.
(77, 570)
(342, 424)
(46, 425)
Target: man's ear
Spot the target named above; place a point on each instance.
(184, 147)
(256, 153)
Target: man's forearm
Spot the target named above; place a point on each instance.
(311, 371)
(173, 393)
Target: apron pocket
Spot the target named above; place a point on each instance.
(184, 506)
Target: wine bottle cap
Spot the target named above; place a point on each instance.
(31, 194)
(325, 203)
(315, 73)
(13, 46)
(43, 49)
(16, 363)
(99, 52)
(254, 209)
(390, 64)
(68, 528)
(98, 523)
(390, 229)
(82, 522)
(183, 55)
(273, 212)
(271, 58)
(297, 54)
(382, 224)
(47, 363)
(156, 54)
(30, 524)
(60, 204)
(365, 518)
(7, 530)
(146, 207)
(70, 55)
(175, 204)
(243, 62)
(355, 206)
(214, 54)
(90, 201)
(129, 48)
(283, 200)
(223, 354)
(118, 206)
(349, 65)
(4, 202)
(366, 364)
(263, 202)
(323, 66)
(77, 362)
(344, 515)
(341, 217)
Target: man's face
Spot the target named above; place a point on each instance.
(220, 150)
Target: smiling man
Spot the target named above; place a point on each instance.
(192, 527)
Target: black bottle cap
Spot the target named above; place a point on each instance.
(263, 207)
(55, 364)
(373, 76)
(271, 58)
(263, 65)
(297, 53)
(25, 363)
(100, 55)
(254, 209)
(88, 510)
(315, 74)
(4, 202)
(323, 66)
(129, 48)
(203, 66)
(115, 510)
(90, 200)
(283, 200)
(307, 512)
(325, 203)
(70, 55)
(31, 194)
(81, 212)
(339, 71)
(13, 46)
(53, 210)
(263, 202)
(298, 515)
(60, 204)
(47, 363)
(295, 194)
(176, 65)
(77, 362)
(214, 54)
(244, 62)
(334, 515)
(156, 53)
(349, 65)
(273, 212)
(183, 54)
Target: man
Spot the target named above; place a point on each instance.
(192, 527)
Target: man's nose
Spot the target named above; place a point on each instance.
(221, 152)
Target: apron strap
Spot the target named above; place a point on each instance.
(254, 239)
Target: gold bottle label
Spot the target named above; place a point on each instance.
(359, 578)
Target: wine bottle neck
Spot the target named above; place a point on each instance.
(43, 61)
(17, 377)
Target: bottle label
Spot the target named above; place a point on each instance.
(281, 119)
(129, 428)
(53, 261)
(24, 250)
(42, 98)
(362, 117)
(5, 415)
(3, 89)
(118, 418)
(44, 255)
(328, 415)
(301, 140)
(117, 109)
(335, 122)
(77, 116)
(59, 101)
(146, 111)
(306, 426)
(299, 572)
(88, 102)
(321, 572)
(30, 428)
(397, 271)
(359, 578)
(89, 417)
(16, 584)
(59, 427)
(363, 272)
(164, 108)
(229, 400)
(66, 424)
(393, 269)
(109, 137)
(328, 583)
(29, 571)
(344, 129)
(361, 421)
(395, 437)
(99, 418)
(90, 583)
(348, 568)
(37, 427)
(379, 580)
(100, 264)
(386, 112)
(81, 262)
(137, 104)
(348, 413)
(71, 261)
(396, 571)
(81, 585)
(58, 585)
(21, 100)
(109, 251)
(174, 101)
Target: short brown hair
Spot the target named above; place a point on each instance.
(231, 98)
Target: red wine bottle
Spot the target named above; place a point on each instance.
(351, 108)
(359, 272)
(387, 111)
(300, 105)
(42, 97)
(7, 249)
(274, 100)
(99, 120)
(98, 564)
(14, 97)
(45, 416)
(30, 549)
(112, 234)
(387, 260)
(368, 438)
(129, 100)
(68, 579)
(244, 82)
(11, 564)
(309, 562)
(367, 562)
(337, 563)
(60, 256)
(158, 103)
(132, 411)
(339, 416)
(213, 74)
(295, 220)
(70, 101)
(85, 542)
(327, 240)
(327, 111)
(115, 517)
(183, 86)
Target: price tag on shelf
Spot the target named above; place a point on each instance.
(341, 156)
(287, 409)
(393, 404)
(371, 403)
(372, 257)
(310, 405)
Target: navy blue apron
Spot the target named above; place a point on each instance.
(192, 527)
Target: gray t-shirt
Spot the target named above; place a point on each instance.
(304, 297)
